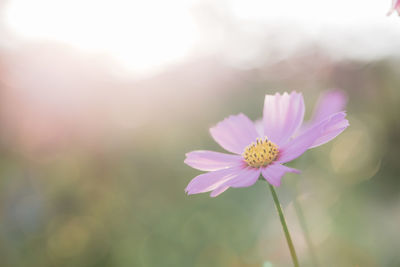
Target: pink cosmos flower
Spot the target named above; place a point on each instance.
(395, 7)
(264, 153)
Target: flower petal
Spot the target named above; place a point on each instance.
(318, 134)
(246, 177)
(234, 133)
(211, 161)
(259, 127)
(273, 173)
(282, 116)
(395, 6)
(211, 180)
(219, 191)
(333, 128)
(330, 102)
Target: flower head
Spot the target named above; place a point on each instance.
(395, 7)
(282, 140)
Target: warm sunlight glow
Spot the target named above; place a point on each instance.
(147, 36)
(143, 35)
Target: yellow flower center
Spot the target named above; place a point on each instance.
(261, 153)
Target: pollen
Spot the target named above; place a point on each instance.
(261, 153)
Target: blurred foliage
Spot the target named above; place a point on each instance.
(122, 202)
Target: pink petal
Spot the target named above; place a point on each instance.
(234, 133)
(273, 173)
(219, 191)
(211, 180)
(395, 7)
(335, 126)
(259, 127)
(330, 102)
(246, 177)
(318, 133)
(282, 116)
(211, 161)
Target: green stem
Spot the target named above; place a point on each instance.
(284, 226)
(302, 220)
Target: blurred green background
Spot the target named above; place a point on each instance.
(91, 159)
(122, 203)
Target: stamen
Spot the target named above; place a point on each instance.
(261, 153)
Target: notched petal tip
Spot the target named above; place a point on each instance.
(296, 93)
(187, 192)
(282, 116)
(218, 191)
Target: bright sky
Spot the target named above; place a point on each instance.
(148, 35)
(314, 13)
